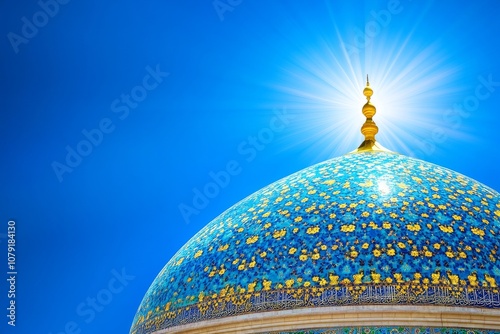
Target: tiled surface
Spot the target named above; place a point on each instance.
(361, 228)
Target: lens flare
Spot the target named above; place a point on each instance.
(413, 86)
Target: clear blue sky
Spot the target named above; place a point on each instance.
(115, 115)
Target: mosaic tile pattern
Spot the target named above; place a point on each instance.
(372, 227)
(390, 330)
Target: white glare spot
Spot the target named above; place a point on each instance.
(383, 188)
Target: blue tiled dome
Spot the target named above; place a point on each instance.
(365, 228)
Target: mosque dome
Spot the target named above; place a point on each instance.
(369, 239)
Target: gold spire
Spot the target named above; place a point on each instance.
(369, 128)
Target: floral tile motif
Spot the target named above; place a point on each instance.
(372, 227)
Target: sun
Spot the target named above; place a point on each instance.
(412, 87)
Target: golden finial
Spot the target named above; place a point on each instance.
(368, 91)
(369, 128)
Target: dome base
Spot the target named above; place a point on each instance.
(347, 317)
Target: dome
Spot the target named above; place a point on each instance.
(370, 228)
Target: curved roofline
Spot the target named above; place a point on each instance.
(346, 316)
